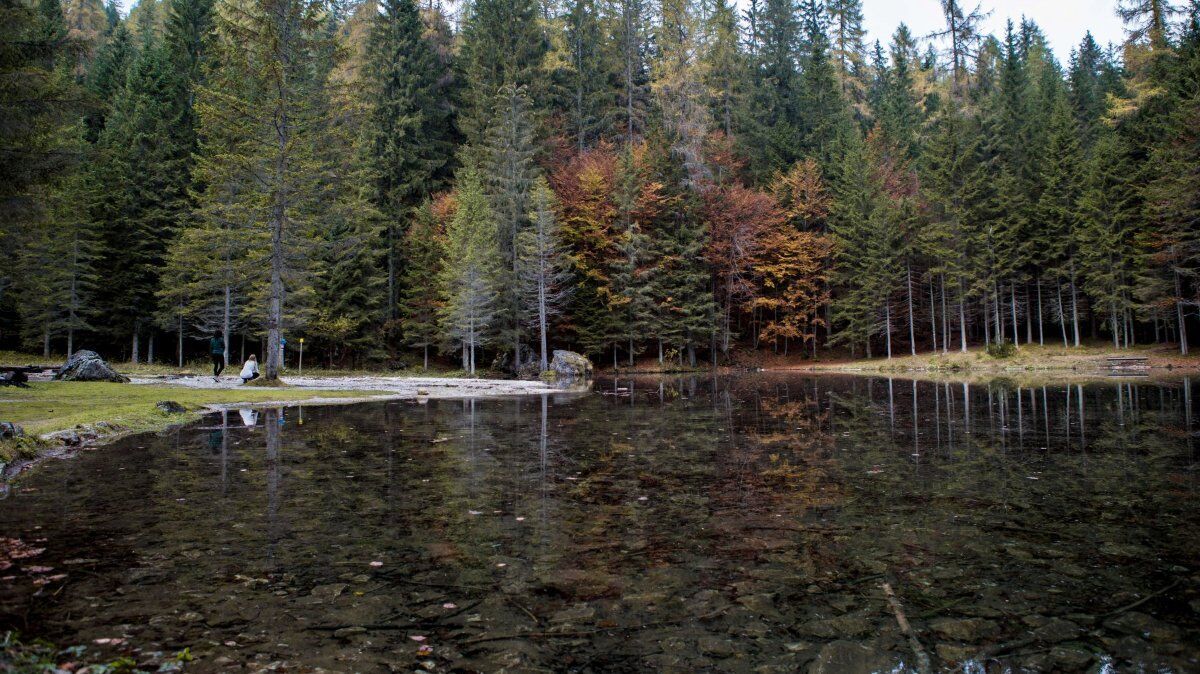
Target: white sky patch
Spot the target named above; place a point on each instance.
(1063, 21)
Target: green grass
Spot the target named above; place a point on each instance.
(46, 407)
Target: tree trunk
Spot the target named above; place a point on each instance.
(912, 329)
(46, 339)
(933, 324)
(150, 348)
(542, 321)
(1074, 304)
(887, 313)
(1040, 316)
(226, 320)
(135, 345)
(1012, 294)
(426, 366)
(945, 317)
(1180, 317)
(1062, 314)
(962, 317)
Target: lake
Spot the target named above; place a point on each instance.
(757, 523)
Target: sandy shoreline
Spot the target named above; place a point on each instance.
(389, 387)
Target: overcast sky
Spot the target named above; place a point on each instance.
(1063, 21)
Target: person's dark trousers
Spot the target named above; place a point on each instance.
(218, 364)
(253, 376)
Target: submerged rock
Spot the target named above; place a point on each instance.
(964, 629)
(848, 657)
(88, 366)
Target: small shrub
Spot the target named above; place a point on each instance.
(1002, 349)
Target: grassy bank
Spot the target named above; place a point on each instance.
(47, 407)
(1085, 359)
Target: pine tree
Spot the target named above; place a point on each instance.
(824, 113)
(899, 113)
(263, 123)
(139, 182)
(725, 69)
(848, 51)
(408, 127)
(502, 45)
(508, 158)
(425, 247)
(591, 71)
(1058, 213)
(1106, 234)
(630, 32)
(543, 263)
(471, 276)
(773, 138)
(106, 77)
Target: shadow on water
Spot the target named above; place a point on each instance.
(751, 523)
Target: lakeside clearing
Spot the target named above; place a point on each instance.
(56, 414)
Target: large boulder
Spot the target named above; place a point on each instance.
(88, 366)
(569, 366)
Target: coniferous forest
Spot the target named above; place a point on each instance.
(666, 179)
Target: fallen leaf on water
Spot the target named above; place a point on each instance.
(449, 604)
(475, 512)
(417, 637)
(376, 564)
(425, 650)
(520, 519)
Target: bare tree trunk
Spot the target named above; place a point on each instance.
(135, 345)
(945, 317)
(933, 324)
(962, 317)
(1062, 314)
(1180, 317)
(912, 330)
(887, 313)
(1074, 304)
(46, 339)
(150, 348)
(226, 319)
(1040, 316)
(1012, 294)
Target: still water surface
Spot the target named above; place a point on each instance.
(750, 523)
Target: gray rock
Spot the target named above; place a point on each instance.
(1056, 630)
(169, 407)
(848, 657)
(1070, 658)
(964, 629)
(10, 430)
(88, 366)
(569, 366)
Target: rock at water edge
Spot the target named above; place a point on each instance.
(571, 366)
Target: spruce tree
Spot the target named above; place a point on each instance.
(509, 175)
(543, 264)
(470, 279)
(408, 146)
(262, 119)
(424, 244)
(502, 44)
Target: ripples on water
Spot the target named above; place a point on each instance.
(740, 524)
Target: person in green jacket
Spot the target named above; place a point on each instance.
(216, 346)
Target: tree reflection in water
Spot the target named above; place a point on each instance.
(741, 523)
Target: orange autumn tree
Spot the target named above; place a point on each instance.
(584, 185)
(738, 220)
(792, 263)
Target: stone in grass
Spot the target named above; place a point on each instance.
(87, 365)
(10, 430)
(169, 407)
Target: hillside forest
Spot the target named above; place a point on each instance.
(678, 180)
